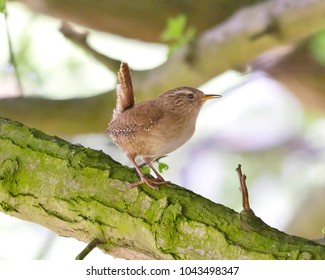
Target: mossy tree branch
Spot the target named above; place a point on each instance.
(83, 193)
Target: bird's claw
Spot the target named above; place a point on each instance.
(152, 183)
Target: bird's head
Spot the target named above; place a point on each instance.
(185, 99)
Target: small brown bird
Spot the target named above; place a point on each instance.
(153, 128)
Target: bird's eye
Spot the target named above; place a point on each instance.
(190, 95)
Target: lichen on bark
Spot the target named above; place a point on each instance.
(84, 194)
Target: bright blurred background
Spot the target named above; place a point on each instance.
(260, 124)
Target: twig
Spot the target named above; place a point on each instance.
(13, 57)
(243, 189)
(93, 244)
(46, 246)
(80, 39)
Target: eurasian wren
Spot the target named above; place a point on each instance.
(153, 128)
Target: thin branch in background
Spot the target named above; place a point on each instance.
(243, 189)
(46, 247)
(12, 57)
(80, 39)
(93, 244)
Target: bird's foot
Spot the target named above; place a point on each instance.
(152, 183)
(160, 179)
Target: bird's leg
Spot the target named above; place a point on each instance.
(144, 180)
(159, 179)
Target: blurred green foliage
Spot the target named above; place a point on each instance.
(162, 167)
(2, 5)
(317, 47)
(177, 33)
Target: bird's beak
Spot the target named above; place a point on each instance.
(210, 96)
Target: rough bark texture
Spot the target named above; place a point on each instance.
(235, 42)
(83, 193)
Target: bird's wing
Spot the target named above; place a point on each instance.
(142, 117)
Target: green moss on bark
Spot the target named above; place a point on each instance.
(83, 193)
